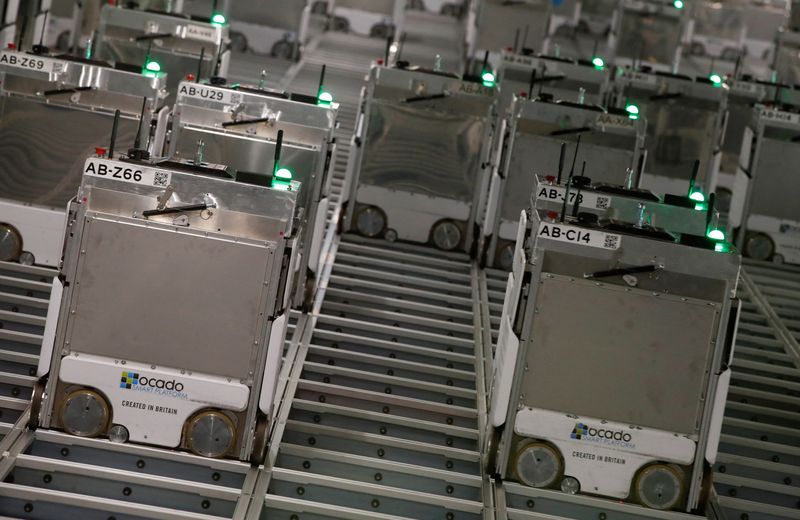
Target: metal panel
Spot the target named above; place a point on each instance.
(422, 151)
(678, 133)
(221, 313)
(43, 137)
(775, 185)
(498, 20)
(649, 37)
(666, 350)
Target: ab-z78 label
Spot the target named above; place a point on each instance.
(585, 199)
(125, 173)
(579, 236)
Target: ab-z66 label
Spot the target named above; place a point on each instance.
(122, 172)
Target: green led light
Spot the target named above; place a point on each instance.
(151, 68)
(324, 98)
(722, 247)
(488, 79)
(632, 110)
(716, 234)
(697, 196)
(701, 206)
(598, 62)
(285, 174)
(716, 79)
(678, 4)
(218, 19)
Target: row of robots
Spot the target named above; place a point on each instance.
(186, 217)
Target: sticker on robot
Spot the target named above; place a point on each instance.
(515, 58)
(579, 236)
(640, 77)
(585, 199)
(779, 115)
(744, 87)
(122, 172)
(606, 120)
(474, 89)
(195, 91)
(29, 62)
(198, 32)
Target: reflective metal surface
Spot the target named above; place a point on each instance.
(211, 434)
(370, 221)
(10, 243)
(649, 33)
(498, 20)
(538, 464)
(41, 154)
(660, 486)
(447, 235)
(85, 413)
(444, 162)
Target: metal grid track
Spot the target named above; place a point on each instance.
(51, 475)
(385, 417)
(24, 295)
(757, 475)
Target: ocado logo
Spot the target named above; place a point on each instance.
(130, 379)
(587, 433)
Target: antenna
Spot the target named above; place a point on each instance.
(693, 179)
(569, 179)
(525, 37)
(530, 85)
(738, 67)
(400, 47)
(138, 139)
(388, 50)
(516, 41)
(278, 146)
(576, 205)
(561, 158)
(710, 211)
(113, 134)
(22, 28)
(41, 48)
(541, 83)
(200, 63)
(594, 49)
(485, 62)
(321, 79)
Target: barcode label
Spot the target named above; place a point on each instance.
(578, 236)
(640, 77)
(611, 242)
(779, 115)
(199, 32)
(126, 172)
(29, 62)
(197, 91)
(586, 199)
(161, 178)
